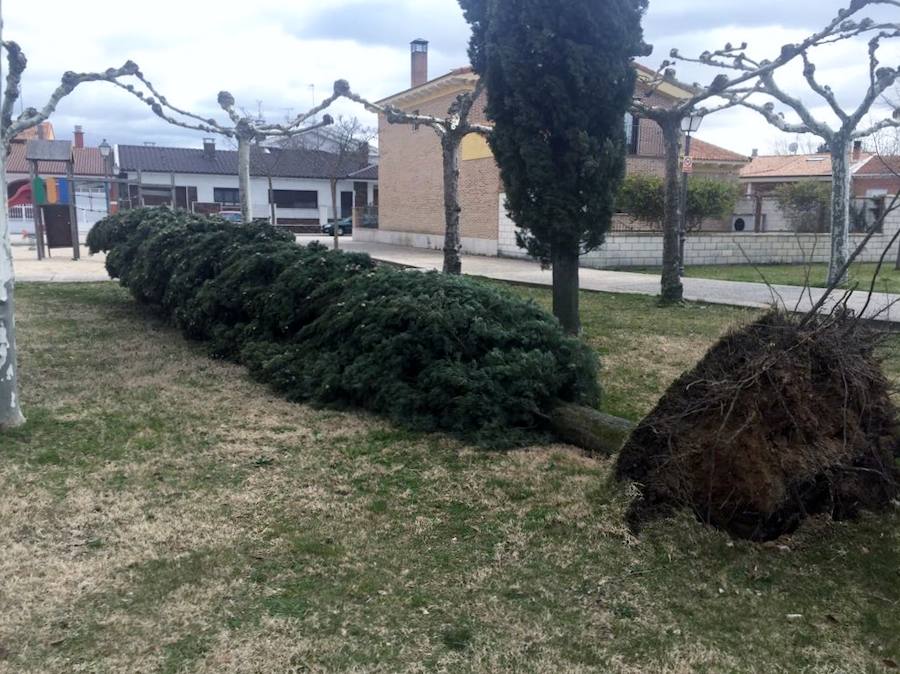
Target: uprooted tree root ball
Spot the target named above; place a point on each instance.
(783, 419)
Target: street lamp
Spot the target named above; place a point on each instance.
(106, 152)
(689, 125)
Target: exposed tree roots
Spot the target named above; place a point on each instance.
(781, 420)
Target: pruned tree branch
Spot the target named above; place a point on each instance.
(244, 128)
(31, 117)
(17, 64)
(809, 72)
(159, 109)
(286, 129)
(457, 119)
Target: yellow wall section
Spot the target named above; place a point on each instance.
(474, 146)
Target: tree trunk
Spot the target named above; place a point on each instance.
(10, 413)
(590, 429)
(244, 179)
(564, 259)
(840, 207)
(334, 218)
(452, 242)
(672, 290)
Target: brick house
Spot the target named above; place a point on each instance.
(411, 210)
(874, 178)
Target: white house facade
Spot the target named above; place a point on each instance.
(294, 185)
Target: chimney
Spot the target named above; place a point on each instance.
(364, 152)
(755, 152)
(419, 54)
(209, 148)
(41, 131)
(79, 137)
(857, 150)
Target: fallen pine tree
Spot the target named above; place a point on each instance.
(429, 351)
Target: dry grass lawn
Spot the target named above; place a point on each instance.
(163, 513)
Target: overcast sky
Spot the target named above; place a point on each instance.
(284, 54)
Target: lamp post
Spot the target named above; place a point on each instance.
(689, 125)
(106, 152)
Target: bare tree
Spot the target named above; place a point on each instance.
(349, 140)
(741, 78)
(450, 130)
(669, 118)
(246, 128)
(10, 410)
(839, 139)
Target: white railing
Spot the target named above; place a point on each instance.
(24, 212)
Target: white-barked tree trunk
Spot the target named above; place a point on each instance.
(10, 410)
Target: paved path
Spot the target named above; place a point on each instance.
(62, 268)
(706, 290)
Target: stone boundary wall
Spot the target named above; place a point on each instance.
(645, 250)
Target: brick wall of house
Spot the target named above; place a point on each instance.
(411, 180)
(649, 165)
(411, 175)
(862, 184)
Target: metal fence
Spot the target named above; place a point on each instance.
(365, 217)
(865, 212)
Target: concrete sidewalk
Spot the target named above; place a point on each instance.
(703, 290)
(61, 268)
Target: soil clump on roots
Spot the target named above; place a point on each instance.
(786, 418)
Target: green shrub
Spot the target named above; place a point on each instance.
(806, 205)
(643, 197)
(429, 351)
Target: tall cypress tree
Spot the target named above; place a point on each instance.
(559, 79)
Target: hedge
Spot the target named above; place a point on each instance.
(429, 351)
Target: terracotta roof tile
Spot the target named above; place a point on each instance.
(880, 166)
(788, 166)
(88, 162)
(703, 151)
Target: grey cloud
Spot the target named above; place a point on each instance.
(379, 24)
(387, 23)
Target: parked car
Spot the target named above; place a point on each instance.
(232, 216)
(345, 227)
